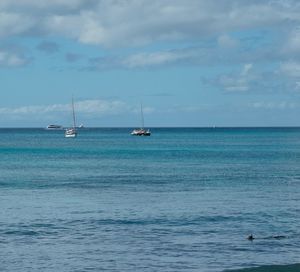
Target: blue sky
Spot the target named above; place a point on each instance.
(191, 63)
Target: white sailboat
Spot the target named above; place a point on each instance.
(141, 131)
(72, 132)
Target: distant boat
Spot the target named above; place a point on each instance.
(54, 127)
(141, 131)
(72, 132)
(81, 126)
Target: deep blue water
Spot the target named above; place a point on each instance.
(180, 200)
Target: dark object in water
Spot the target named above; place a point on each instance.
(270, 268)
(250, 237)
(279, 236)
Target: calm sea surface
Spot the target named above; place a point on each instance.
(180, 200)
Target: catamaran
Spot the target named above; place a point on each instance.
(141, 131)
(72, 132)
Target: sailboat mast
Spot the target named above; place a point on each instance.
(73, 111)
(142, 115)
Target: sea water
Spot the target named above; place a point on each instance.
(183, 199)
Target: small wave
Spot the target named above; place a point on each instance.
(160, 221)
(21, 232)
(270, 268)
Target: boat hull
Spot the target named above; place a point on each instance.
(141, 132)
(70, 135)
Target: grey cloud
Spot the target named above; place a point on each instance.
(13, 24)
(121, 23)
(191, 55)
(72, 57)
(238, 83)
(88, 107)
(228, 51)
(251, 79)
(13, 56)
(211, 26)
(274, 105)
(47, 7)
(48, 47)
(291, 69)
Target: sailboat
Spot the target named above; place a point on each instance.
(141, 131)
(71, 132)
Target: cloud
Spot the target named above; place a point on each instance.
(72, 57)
(239, 83)
(289, 72)
(89, 111)
(246, 69)
(122, 23)
(189, 55)
(260, 80)
(101, 107)
(48, 47)
(272, 105)
(138, 60)
(46, 7)
(98, 107)
(213, 32)
(11, 57)
(291, 43)
(13, 24)
(225, 41)
(160, 58)
(150, 59)
(290, 69)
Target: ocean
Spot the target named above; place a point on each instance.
(183, 199)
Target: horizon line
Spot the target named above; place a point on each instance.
(210, 127)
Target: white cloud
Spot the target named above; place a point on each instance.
(63, 5)
(191, 55)
(271, 105)
(101, 107)
(12, 24)
(146, 110)
(226, 41)
(139, 60)
(214, 26)
(292, 43)
(239, 83)
(154, 59)
(290, 69)
(96, 107)
(90, 112)
(116, 23)
(246, 69)
(9, 58)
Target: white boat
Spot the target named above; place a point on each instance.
(141, 131)
(54, 127)
(72, 132)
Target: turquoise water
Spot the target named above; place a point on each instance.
(180, 200)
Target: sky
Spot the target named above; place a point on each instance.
(198, 63)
